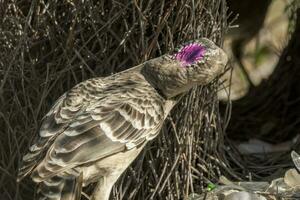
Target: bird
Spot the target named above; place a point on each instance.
(96, 129)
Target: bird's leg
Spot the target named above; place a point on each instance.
(104, 187)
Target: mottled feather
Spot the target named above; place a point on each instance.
(91, 123)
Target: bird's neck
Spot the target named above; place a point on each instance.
(165, 77)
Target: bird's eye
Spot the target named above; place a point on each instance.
(190, 54)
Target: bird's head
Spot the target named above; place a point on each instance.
(195, 63)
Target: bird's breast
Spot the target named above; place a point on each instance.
(109, 166)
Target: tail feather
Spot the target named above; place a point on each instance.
(49, 130)
(60, 187)
(31, 159)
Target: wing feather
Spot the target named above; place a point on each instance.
(48, 131)
(91, 124)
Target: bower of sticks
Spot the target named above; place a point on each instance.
(46, 47)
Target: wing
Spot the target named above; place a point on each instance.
(48, 131)
(98, 123)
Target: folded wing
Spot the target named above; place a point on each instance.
(88, 125)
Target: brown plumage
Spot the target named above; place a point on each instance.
(95, 130)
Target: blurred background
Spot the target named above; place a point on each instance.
(231, 139)
(258, 36)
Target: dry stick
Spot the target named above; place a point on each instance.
(28, 19)
(171, 171)
(160, 26)
(139, 185)
(159, 181)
